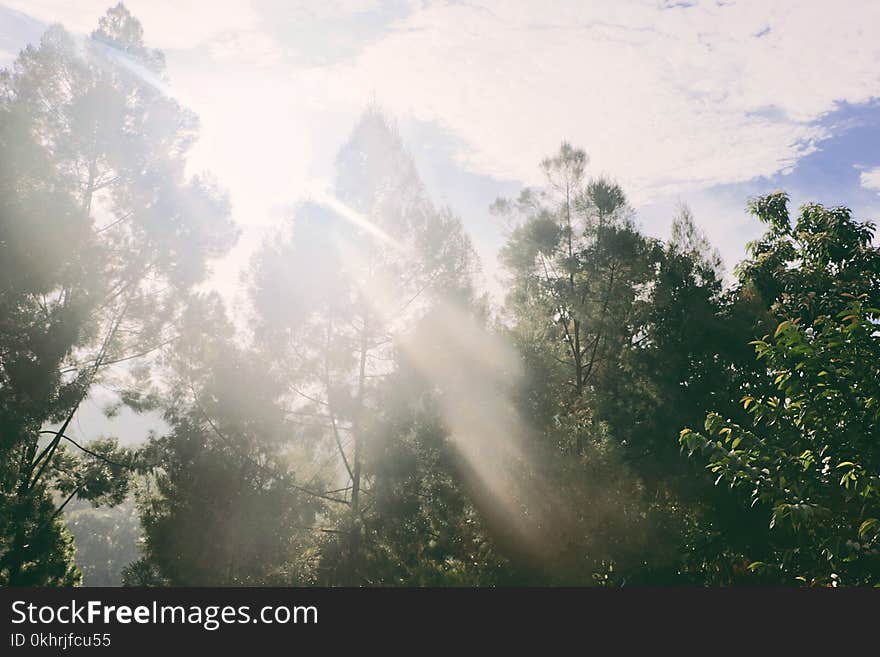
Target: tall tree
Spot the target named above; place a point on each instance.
(101, 237)
(580, 272)
(687, 357)
(228, 502)
(333, 297)
(578, 266)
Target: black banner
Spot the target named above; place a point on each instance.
(119, 621)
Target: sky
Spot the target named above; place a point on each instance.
(703, 102)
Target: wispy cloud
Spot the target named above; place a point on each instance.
(666, 97)
(870, 179)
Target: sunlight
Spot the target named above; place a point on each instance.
(320, 194)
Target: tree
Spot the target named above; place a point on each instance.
(577, 265)
(809, 458)
(227, 503)
(422, 527)
(580, 277)
(101, 237)
(688, 357)
(333, 297)
(106, 540)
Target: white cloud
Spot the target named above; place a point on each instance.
(870, 179)
(666, 99)
(670, 101)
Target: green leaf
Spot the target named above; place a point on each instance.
(781, 328)
(866, 526)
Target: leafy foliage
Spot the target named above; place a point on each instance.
(809, 455)
(102, 235)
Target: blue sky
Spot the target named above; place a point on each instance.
(832, 175)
